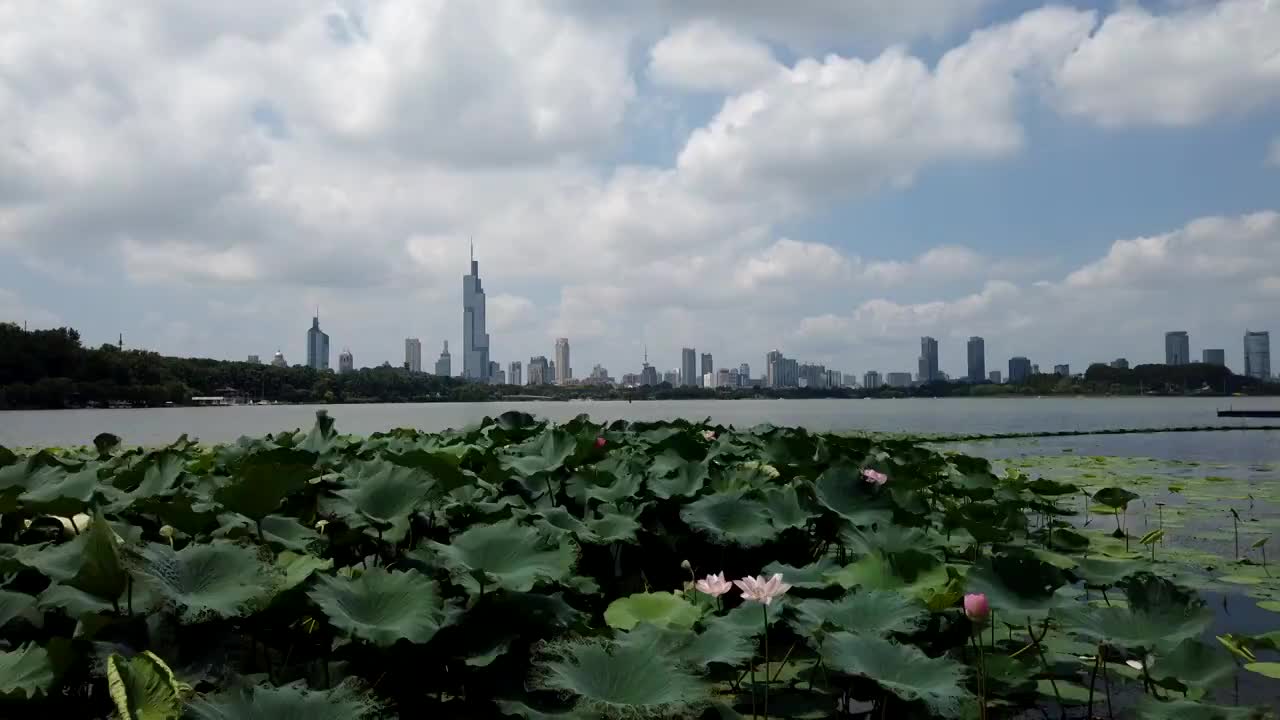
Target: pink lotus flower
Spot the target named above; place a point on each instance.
(761, 590)
(714, 585)
(600, 442)
(875, 477)
(976, 607)
(709, 434)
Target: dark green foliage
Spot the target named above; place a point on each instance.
(519, 569)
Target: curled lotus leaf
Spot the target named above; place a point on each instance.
(382, 607)
(621, 680)
(513, 557)
(217, 579)
(25, 671)
(864, 612)
(730, 519)
(144, 688)
(903, 670)
(663, 609)
(291, 702)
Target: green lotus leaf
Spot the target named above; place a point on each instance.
(89, 562)
(1192, 663)
(297, 568)
(1158, 615)
(718, 643)
(104, 443)
(155, 474)
(1149, 708)
(1102, 572)
(843, 490)
(200, 580)
(876, 572)
(1267, 669)
(1114, 497)
(678, 477)
(598, 484)
(73, 602)
(621, 680)
(558, 519)
(262, 480)
(890, 539)
(810, 576)
(1051, 488)
(291, 702)
(322, 438)
(1019, 587)
(144, 688)
(866, 612)
(25, 672)
(382, 607)
(13, 604)
(511, 556)
(65, 494)
(276, 529)
(730, 519)
(785, 510)
(612, 527)
(658, 608)
(382, 496)
(521, 710)
(901, 669)
(544, 453)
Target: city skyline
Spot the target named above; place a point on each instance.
(631, 179)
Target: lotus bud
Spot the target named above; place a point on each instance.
(600, 442)
(685, 565)
(26, 524)
(976, 607)
(321, 525)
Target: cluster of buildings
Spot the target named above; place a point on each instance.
(698, 370)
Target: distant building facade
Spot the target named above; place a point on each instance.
(994, 377)
(564, 370)
(688, 367)
(706, 365)
(538, 371)
(898, 379)
(317, 346)
(444, 363)
(278, 360)
(928, 363)
(671, 377)
(1019, 369)
(413, 355)
(254, 360)
(871, 380)
(495, 374)
(977, 359)
(515, 373)
(1257, 354)
(346, 363)
(1177, 347)
(1214, 356)
(1062, 370)
(1120, 364)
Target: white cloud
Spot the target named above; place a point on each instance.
(177, 262)
(15, 310)
(1200, 62)
(844, 125)
(508, 312)
(788, 261)
(706, 57)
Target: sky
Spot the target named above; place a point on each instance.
(830, 178)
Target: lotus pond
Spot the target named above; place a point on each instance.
(525, 569)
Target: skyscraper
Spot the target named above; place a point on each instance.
(706, 365)
(1213, 356)
(1257, 354)
(413, 354)
(1062, 370)
(515, 373)
(994, 377)
(977, 359)
(1120, 364)
(1177, 348)
(346, 363)
(744, 372)
(254, 360)
(928, 359)
(689, 367)
(317, 346)
(444, 363)
(871, 380)
(495, 375)
(475, 341)
(564, 371)
(538, 368)
(1019, 369)
(773, 369)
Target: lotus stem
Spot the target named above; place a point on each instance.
(1093, 677)
(1045, 662)
(783, 664)
(982, 672)
(1106, 679)
(764, 609)
(753, 686)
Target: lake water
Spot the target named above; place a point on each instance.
(927, 416)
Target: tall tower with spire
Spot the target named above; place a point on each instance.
(317, 345)
(475, 341)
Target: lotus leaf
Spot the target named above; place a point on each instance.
(658, 608)
(510, 556)
(291, 702)
(382, 496)
(1019, 588)
(382, 607)
(90, 562)
(1158, 615)
(25, 672)
(683, 478)
(622, 680)
(901, 669)
(842, 489)
(866, 612)
(13, 604)
(730, 519)
(262, 481)
(144, 688)
(218, 579)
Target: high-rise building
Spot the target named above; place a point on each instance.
(871, 380)
(1257, 354)
(1062, 370)
(744, 372)
(688, 367)
(538, 371)
(475, 340)
(317, 346)
(495, 373)
(444, 363)
(564, 371)
(1019, 369)
(735, 378)
(346, 363)
(1120, 364)
(671, 377)
(898, 379)
(722, 378)
(928, 360)
(706, 365)
(977, 359)
(1177, 348)
(834, 379)
(994, 377)
(254, 360)
(551, 372)
(413, 354)
(773, 369)
(278, 360)
(813, 376)
(515, 373)
(1214, 356)
(648, 373)
(850, 380)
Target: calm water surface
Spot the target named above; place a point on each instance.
(952, 415)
